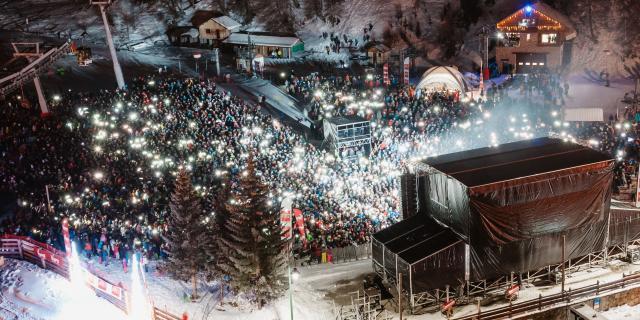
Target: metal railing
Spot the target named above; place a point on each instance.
(351, 253)
(555, 300)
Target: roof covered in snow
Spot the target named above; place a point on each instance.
(263, 39)
(538, 16)
(183, 31)
(202, 16)
(227, 22)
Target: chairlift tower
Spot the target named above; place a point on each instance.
(116, 65)
(31, 51)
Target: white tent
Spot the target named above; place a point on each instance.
(442, 78)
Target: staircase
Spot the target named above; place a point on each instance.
(365, 305)
(278, 99)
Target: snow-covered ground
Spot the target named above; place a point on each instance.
(312, 293)
(33, 293)
(316, 294)
(586, 91)
(625, 312)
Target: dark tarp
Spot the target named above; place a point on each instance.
(624, 225)
(490, 262)
(534, 209)
(442, 267)
(512, 205)
(425, 243)
(446, 201)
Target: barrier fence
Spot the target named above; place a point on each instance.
(555, 300)
(351, 253)
(50, 258)
(159, 314)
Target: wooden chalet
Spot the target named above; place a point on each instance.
(535, 38)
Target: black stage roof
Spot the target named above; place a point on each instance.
(348, 119)
(415, 238)
(514, 160)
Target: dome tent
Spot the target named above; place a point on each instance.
(439, 78)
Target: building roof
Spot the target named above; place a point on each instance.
(442, 76)
(227, 22)
(346, 119)
(202, 16)
(480, 167)
(379, 47)
(416, 238)
(263, 39)
(547, 17)
(183, 30)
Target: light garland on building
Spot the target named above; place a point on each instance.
(502, 25)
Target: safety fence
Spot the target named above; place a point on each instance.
(351, 253)
(159, 314)
(50, 258)
(555, 300)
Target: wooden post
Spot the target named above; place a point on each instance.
(20, 248)
(540, 301)
(400, 294)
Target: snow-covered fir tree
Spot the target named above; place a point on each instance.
(251, 241)
(186, 235)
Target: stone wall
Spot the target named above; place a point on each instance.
(630, 297)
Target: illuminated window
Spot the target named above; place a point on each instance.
(520, 63)
(535, 64)
(528, 36)
(528, 63)
(541, 63)
(550, 38)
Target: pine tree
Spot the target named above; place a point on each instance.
(276, 15)
(186, 236)
(217, 254)
(252, 241)
(313, 8)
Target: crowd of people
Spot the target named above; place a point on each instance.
(107, 159)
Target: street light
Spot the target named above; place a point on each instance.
(197, 56)
(292, 276)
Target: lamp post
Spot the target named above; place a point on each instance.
(197, 56)
(293, 275)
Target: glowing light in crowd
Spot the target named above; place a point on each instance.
(140, 306)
